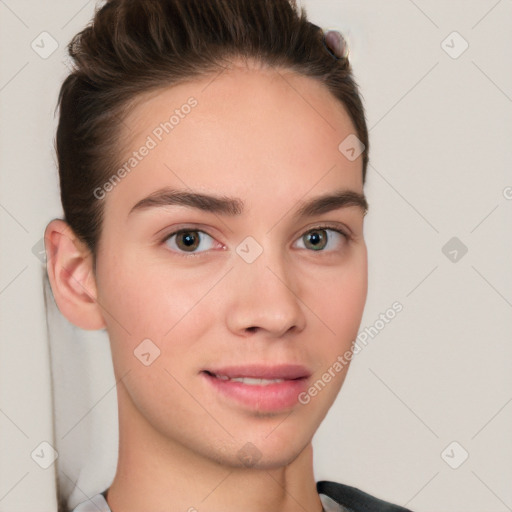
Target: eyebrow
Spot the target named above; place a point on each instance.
(234, 206)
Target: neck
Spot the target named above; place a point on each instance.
(163, 474)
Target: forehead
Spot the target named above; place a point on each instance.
(251, 129)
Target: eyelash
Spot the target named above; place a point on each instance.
(320, 227)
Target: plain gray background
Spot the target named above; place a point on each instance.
(424, 417)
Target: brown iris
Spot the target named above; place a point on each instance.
(187, 240)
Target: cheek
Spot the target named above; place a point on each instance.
(338, 298)
(151, 302)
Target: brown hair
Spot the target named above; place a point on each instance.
(136, 46)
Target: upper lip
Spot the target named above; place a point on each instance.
(262, 371)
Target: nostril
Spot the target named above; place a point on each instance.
(251, 329)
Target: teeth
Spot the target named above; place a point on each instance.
(250, 381)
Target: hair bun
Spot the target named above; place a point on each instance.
(336, 44)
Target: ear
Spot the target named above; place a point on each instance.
(69, 264)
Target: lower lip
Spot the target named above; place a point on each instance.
(272, 397)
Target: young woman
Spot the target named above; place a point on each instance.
(212, 158)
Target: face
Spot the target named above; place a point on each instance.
(261, 280)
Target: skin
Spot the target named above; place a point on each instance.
(271, 139)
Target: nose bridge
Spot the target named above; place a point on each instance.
(264, 290)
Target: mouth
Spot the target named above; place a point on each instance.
(262, 387)
(261, 371)
(250, 381)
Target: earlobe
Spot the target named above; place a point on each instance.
(70, 270)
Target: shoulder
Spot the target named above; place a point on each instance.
(354, 499)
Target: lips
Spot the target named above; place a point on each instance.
(258, 387)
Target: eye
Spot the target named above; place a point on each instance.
(318, 239)
(324, 239)
(188, 240)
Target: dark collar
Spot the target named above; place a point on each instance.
(355, 499)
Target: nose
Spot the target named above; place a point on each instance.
(264, 296)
